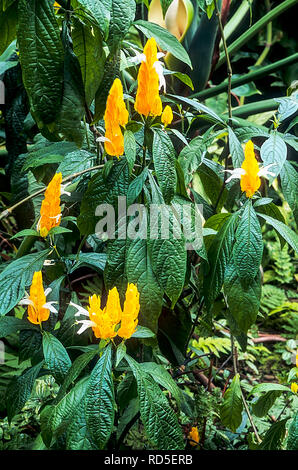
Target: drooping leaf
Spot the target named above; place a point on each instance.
(100, 400)
(164, 39)
(248, 248)
(261, 407)
(289, 186)
(41, 57)
(236, 149)
(292, 442)
(191, 157)
(243, 300)
(231, 410)
(19, 390)
(164, 164)
(274, 436)
(274, 150)
(56, 357)
(8, 27)
(160, 421)
(16, 277)
(287, 234)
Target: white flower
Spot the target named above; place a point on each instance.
(85, 323)
(238, 172)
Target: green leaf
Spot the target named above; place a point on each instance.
(163, 378)
(8, 27)
(218, 257)
(130, 149)
(143, 332)
(248, 248)
(56, 357)
(139, 271)
(201, 108)
(96, 12)
(122, 16)
(73, 101)
(236, 149)
(292, 442)
(261, 407)
(88, 47)
(164, 164)
(16, 277)
(120, 353)
(269, 387)
(287, 234)
(168, 254)
(75, 370)
(191, 157)
(160, 421)
(136, 187)
(97, 261)
(274, 436)
(102, 191)
(41, 57)
(9, 325)
(111, 71)
(231, 410)
(19, 390)
(243, 301)
(100, 400)
(274, 150)
(75, 162)
(25, 233)
(289, 186)
(114, 273)
(164, 39)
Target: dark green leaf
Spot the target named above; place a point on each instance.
(164, 164)
(231, 410)
(56, 357)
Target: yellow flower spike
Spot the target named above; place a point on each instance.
(250, 181)
(294, 387)
(116, 115)
(129, 320)
(193, 436)
(100, 321)
(167, 116)
(250, 172)
(113, 308)
(50, 212)
(148, 101)
(36, 311)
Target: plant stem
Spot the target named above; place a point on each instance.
(249, 77)
(258, 26)
(229, 67)
(234, 356)
(8, 211)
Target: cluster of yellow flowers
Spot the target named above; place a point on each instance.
(50, 212)
(193, 436)
(104, 321)
(148, 102)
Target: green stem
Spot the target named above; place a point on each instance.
(236, 19)
(253, 30)
(249, 77)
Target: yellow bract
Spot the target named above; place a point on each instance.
(194, 436)
(148, 101)
(116, 115)
(129, 318)
(50, 212)
(294, 387)
(167, 116)
(250, 181)
(36, 312)
(106, 320)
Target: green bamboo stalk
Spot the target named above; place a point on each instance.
(236, 19)
(258, 26)
(249, 77)
(255, 108)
